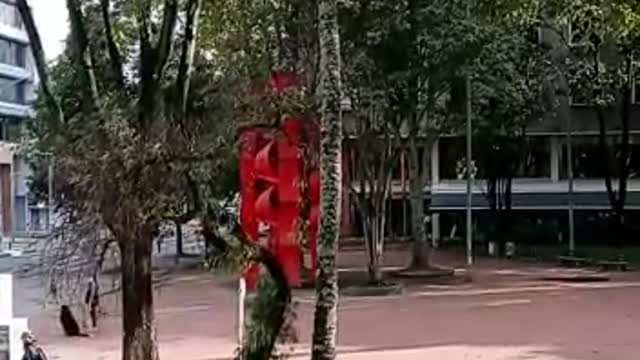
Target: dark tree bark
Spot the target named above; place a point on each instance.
(188, 52)
(420, 253)
(153, 58)
(139, 339)
(165, 40)
(417, 179)
(502, 154)
(114, 53)
(625, 150)
(617, 198)
(82, 55)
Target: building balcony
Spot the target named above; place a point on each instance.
(527, 194)
(16, 110)
(534, 194)
(13, 33)
(533, 185)
(14, 72)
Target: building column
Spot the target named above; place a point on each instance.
(555, 152)
(6, 200)
(435, 230)
(435, 163)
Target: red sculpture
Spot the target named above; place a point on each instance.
(271, 172)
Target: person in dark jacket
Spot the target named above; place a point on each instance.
(91, 304)
(31, 350)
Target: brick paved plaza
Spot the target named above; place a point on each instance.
(507, 312)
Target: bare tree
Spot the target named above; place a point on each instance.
(375, 152)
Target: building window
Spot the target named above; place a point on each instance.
(11, 129)
(422, 162)
(12, 53)
(534, 154)
(537, 158)
(12, 90)
(9, 15)
(451, 151)
(588, 157)
(579, 100)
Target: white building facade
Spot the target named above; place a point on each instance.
(20, 215)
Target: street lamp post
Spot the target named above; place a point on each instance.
(572, 240)
(469, 179)
(50, 193)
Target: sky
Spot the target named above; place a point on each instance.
(51, 20)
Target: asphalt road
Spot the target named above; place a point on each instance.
(546, 321)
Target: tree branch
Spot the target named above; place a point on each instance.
(142, 18)
(82, 53)
(153, 58)
(39, 57)
(146, 66)
(188, 51)
(114, 53)
(165, 40)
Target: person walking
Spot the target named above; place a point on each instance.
(90, 306)
(95, 302)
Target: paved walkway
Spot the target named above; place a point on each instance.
(507, 313)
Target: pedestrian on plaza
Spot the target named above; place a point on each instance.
(69, 324)
(95, 302)
(90, 305)
(31, 350)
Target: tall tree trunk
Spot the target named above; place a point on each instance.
(624, 160)
(503, 211)
(83, 55)
(326, 310)
(187, 54)
(139, 338)
(376, 234)
(179, 248)
(420, 253)
(617, 198)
